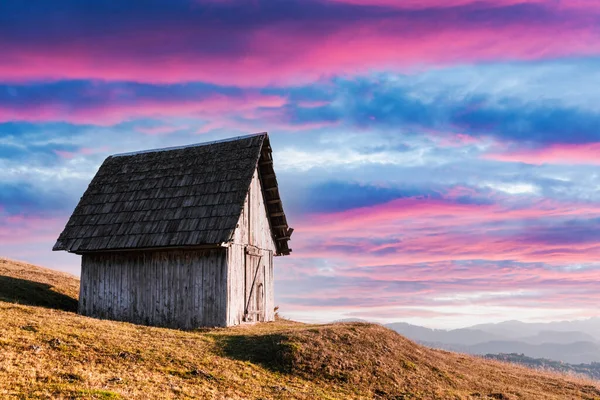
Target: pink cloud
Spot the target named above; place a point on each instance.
(312, 103)
(287, 52)
(436, 290)
(260, 120)
(454, 271)
(82, 151)
(118, 111)
(443, 211)
(23, 229)
(426, 246)
(386, 288)
(571, 154)
(416, 230)
(427, 4)
(448, 139)
(158, 130)
(424, 4)
(445, 246)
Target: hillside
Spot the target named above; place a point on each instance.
(48, 351)
(31, 285)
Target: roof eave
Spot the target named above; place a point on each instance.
(280, 230)
(146, 249)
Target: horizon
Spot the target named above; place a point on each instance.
(433, 176)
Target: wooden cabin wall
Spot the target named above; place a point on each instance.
(179, 289)
(253, 230)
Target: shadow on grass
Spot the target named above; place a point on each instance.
(22, 291)
(273, 352)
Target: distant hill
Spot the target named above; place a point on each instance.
(456, 336)
(566, 337)
(517, 329)
(511, 337)
(590, 370)
(574, 353)
(49, 352)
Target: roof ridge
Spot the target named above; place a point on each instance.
(231, 139)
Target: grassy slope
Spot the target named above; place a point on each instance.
(53, 353)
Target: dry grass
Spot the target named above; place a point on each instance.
(56, 354)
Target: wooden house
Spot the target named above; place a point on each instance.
(181, 237)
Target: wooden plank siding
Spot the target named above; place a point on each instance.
(179, 289)
(253, 225)
(253, 231)
(235, 286)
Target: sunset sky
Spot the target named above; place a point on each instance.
(438, 159)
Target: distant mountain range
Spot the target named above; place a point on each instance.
(573, 342)
(517, 329)
(592, 370)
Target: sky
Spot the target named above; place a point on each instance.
(438, 159)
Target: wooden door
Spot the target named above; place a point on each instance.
(254, 287)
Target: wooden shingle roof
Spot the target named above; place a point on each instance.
(174, 197)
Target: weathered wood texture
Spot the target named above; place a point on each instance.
(250, 286)
(235, 283)
(179, 289)
(250, 262)
(253, 225)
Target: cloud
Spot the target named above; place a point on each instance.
(159, 129)
(434, 292)
(572, 233)
(20, 229)
(86, 102)
(24, 199)
(570, 154)
(420, 209)
(422, 229)
(425, 4)
(303, 160)
(457, 118)
(335, 196)
(281, 42)
(412, 107)
(80, 151)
